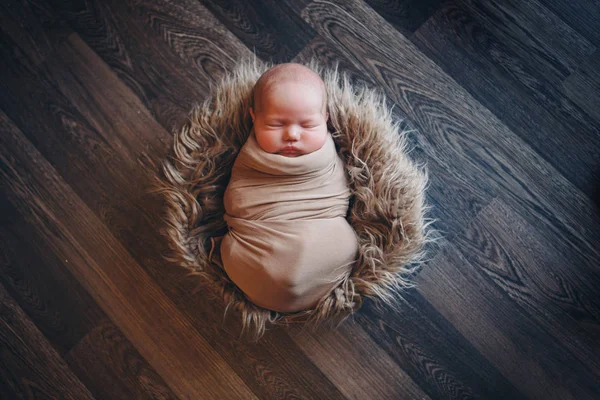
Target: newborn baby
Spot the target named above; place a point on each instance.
(288, 243)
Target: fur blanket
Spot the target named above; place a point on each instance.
(387, 207)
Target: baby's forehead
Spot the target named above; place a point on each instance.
(282, 73)
(286, 73)
(291, 86)
(290, 71)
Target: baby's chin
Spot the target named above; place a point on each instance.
(290, 155)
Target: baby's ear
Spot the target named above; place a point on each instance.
(252, 114)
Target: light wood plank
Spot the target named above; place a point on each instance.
(366, 372)
(113, 369)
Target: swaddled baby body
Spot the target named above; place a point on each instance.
(288, 242)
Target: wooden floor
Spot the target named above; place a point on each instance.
(504, 100)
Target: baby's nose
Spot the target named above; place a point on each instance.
(292, 133)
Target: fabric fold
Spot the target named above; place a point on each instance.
(289, 242)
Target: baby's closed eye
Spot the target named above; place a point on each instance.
(305, 126)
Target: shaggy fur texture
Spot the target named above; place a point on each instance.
(387, 209)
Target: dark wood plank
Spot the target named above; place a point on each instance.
(271, 28)
(405, 15)
(583, 86)
(45, 30)
(554, 284)
(536, 363)
(435, 355)
(30, 368)
(118, 146)
(111, 276)
(467, 138)
(112, 368)
(296, 5)
(501, 79)
(455, 199)
(534, 249)
(582, 15)
(535, 35)
(167, 53)
(327, 56)
(95, 350)
(117, 142)
(52, 298)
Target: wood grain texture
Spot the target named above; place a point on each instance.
(98, 126)
(494, 73)
(405, 15)
(467, 139)
(111, 276)
(553, 283)
(44, 29)
(269, 28)
(44, 289)
(433, 352)
(30, 367)
(70, 320)
(366, 372)
(530, 358)
(535, 36)
(506, 307)
(582, 15)
(120, 127)
(166, 53)
(583, 86)
(328, 56)
(296, 5)
(112, 368)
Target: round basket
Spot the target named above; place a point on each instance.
(387, 208)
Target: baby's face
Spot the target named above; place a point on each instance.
(291, 120)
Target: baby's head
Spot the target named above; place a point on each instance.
(289, 110)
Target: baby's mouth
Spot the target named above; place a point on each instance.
(289, 151)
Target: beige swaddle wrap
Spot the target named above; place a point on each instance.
(288, 242)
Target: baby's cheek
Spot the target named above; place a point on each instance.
(317, 141)
(267, 142)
